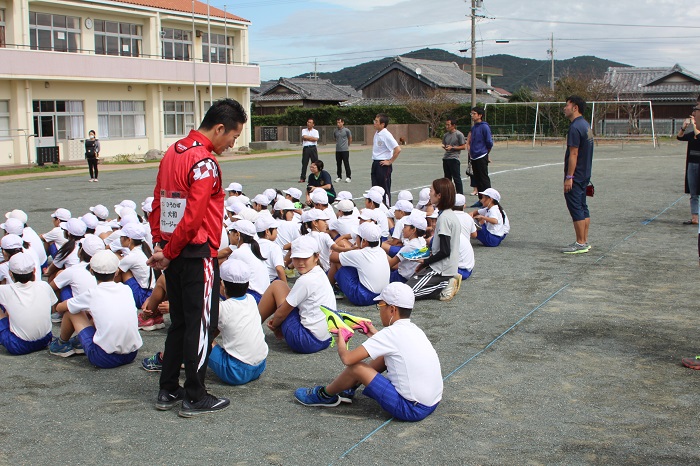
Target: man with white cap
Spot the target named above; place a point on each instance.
(186, 226)
(364, 272)
(25, 308)
(109, 334)
(412, 387)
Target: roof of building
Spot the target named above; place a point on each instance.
(634, 80)
(457, 98)
(502, 92)
(185, 6)
(286, 89)
(439, 74)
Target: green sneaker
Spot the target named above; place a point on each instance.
(336, 325)
(360, 324)
(576, 248)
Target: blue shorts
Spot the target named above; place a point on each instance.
(232, 371)
(349, 283)
(381, 390)
(465, 273)
(65, 294)
(393, 250)
(576, 201)
(53, 250)
(140, 294)
(97, 356)
(395, 276)
(488, 239)
(257, 296)
(299, 338)
(15, 345)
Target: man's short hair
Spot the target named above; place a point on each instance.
(451, 120)
(578, 101)
(227, 112)
(383, 119)
(310, 119)
(340, 119)
(404, 313)
(235, 290)
(23, 277)
(480, 110)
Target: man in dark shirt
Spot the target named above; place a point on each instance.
(692, 163)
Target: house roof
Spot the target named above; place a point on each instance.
(455, 97)
(439, 74)
(286, 89)
(185, 6)
(649, 81)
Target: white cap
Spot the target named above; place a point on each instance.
(127, 219)
(345, 205)
(492, 193)
(234, 271)
(368, 214)
(100, 211)
(319, 196)
(435, 214)
(460, 200)
(379, 189)
(22, 263)
(90, 220)
(271, 194)
(316, 214)
(304, 246)
(123, 211)
(374, 196)
(247, 213)
(397, 294)
(369, 232)
(424, 196)
(234, 205)
(391, 213)
(75, 227)
(11, 242)
(104, 262)
(134, 231)
(262, 200)
(12, 226)
(235, 187)
(62, 214)
(92, 244)
(19, 215)
(343, 195)
(284, 204)
(245, 200)
(294, 192)
(265, 222)
(416, 221)
(147, 204)
(126, 203)
(405, 196)
(244, 226)
(404, 206)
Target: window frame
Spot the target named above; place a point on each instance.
(55, 32)
(5, 116)
(227, 47)
(170, 42)
(108, 132)
(134, 38)
(180, 109)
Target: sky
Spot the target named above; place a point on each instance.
(293, 37)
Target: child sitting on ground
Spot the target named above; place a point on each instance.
(412, 387)
(492, 219)
(109, 337)
(76, 280)
(413, 231)
(133, 271)
(25, 308)
(241, 356)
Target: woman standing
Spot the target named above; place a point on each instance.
(92, 154)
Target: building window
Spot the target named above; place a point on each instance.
(220, 48)
(121, 118)
(68, 115)
(4, 119)
(113, 38)
(2, 28)
(54, 32)
(179, 117)
(177, 44)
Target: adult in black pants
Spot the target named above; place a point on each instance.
(480, 143)
(309, 150)
(453, 142)
(385, 151)
(343, 139)
(92, 154)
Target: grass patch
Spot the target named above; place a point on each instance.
(48, 168)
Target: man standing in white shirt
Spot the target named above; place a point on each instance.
(385, 151)
(309, 151)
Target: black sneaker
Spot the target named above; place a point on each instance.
(208, 404)
(167, 400)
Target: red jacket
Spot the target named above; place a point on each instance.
(188, 199)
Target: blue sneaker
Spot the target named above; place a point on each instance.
(153, 363)
(56, 317)
(77, 346)
(61, 348)
(346, 396)
(312, 397)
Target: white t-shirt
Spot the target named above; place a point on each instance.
(310, 291)
(466, 254)
(135, 262)
(331, 213)
(113, 313)
(287, 232)
(102, 227)
(70, 259)
(382, 221)
(412, 365)
(77, 277)
(498, 229)
(325, 242)
(313, 133)
(259, 278)
(407, 268)
(398, 228)
(31, 237)
(346, 225)
(241, 333)
(273, 256)
(56, 236)
(383, 145)
(224, 238)
(29, 307)
(5, 272)
(372, 267)
(5, 267)
(467, 222)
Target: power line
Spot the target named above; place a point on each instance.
(362, 51)
(658, 26)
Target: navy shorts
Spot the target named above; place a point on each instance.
(97, 356)
(393, 250)
(395, 276)
(15, 345)
(65, 294)
(299, 338)
(53, 250)
(349, 283)
(576, 201)
(489, 239)
(257, 296)
(464, 273)
(232, 371)
(381, 390)
(140, 294)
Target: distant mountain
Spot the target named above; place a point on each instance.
(517, 71)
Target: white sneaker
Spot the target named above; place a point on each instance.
(451, 289)
(347, 180)
(91, 180)
(338, 180)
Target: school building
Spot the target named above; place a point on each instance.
(141, 73)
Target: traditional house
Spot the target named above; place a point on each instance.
(275, 97)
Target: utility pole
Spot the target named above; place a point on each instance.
(551, 55)
(473, 47)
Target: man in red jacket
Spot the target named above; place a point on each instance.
(186, 224)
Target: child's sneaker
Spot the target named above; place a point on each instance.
(208, 404)
(335, 325)
(346, 396)
(167, 400)
(77, 346)
(153, 363)
(312, 397)
(360, 324)
(61, 348)
(451, 289)
(56, 317)
(151, 323)
(338, 292)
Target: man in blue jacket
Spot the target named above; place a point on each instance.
(480, 143)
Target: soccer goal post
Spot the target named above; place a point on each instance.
(614, 119)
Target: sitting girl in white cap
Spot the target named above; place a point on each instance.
(55, 238)
(414, 227)
(67, 255)
(492, 219)
(314, 223)
(242, 236)
(76, 280)
(13, 229)
(295, 315)
(133, 271)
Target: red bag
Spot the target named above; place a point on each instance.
(590, 189)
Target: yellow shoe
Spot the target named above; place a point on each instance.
(360, 324)
(336, 325)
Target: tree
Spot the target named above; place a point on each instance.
(522, 94)
(430, 106)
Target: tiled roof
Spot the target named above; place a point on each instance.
(649, 81)
(456, 98)
(441, 74)
(305, 89)
(200, 8)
